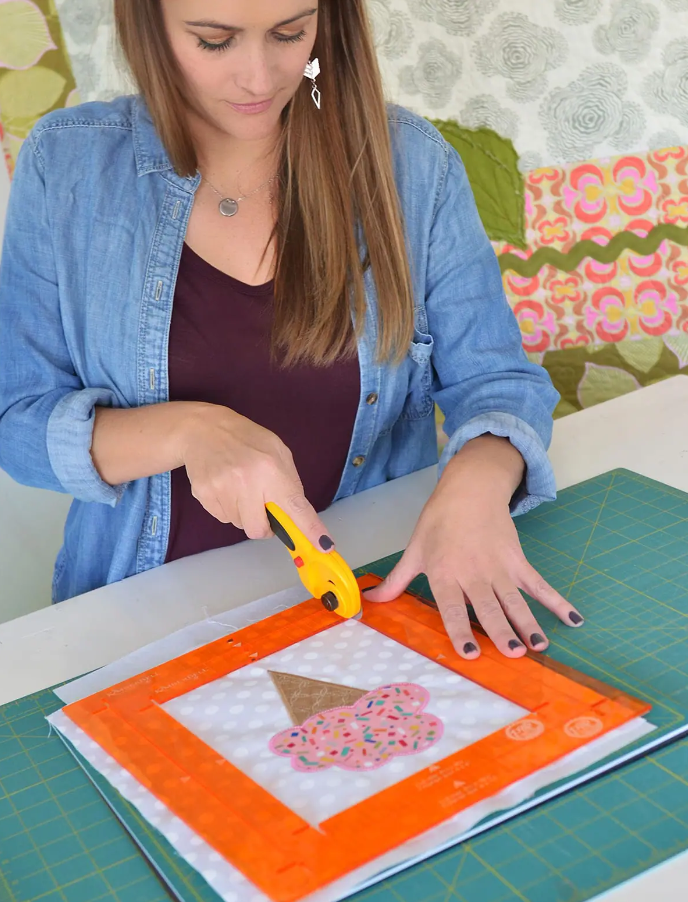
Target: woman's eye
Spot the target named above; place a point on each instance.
(209, 45)
(288, 39)
(224, 45)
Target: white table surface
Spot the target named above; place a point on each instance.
(646, 431)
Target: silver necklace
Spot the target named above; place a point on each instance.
(230, 207)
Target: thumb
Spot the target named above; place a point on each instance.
(397, 581)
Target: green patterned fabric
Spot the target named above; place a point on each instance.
(492, 168)
(584, 379)
(603, 253)
(35, 72)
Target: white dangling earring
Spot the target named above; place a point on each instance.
(312, 72)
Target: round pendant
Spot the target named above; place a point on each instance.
(228, 207)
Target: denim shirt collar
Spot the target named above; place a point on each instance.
(150, 152)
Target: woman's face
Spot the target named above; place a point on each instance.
(241, 52)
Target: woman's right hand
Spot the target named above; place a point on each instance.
(236, 466)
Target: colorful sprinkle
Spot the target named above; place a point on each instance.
(330, 731)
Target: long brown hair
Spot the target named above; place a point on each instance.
(335, 168)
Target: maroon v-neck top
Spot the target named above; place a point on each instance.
(219, 352)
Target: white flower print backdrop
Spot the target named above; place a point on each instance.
(564, 79)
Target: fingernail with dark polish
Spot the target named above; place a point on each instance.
(537, 639)
(575, 618)
(326, 543)
(469, 648)
(514, 644)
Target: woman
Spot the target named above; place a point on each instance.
(205, 307)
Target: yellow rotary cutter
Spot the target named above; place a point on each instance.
(324, 573)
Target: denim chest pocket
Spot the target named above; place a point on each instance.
(419, 401)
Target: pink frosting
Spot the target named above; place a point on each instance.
(384, 723)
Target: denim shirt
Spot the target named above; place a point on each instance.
(95, 227)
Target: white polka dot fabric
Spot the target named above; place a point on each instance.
(239, 714)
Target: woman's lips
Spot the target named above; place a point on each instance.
(252, 107)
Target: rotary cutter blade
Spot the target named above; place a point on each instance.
(325, 574)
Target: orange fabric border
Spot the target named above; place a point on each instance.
(273, 847)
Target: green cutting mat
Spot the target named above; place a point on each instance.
(617, 546)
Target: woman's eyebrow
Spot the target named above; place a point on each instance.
(210, 23)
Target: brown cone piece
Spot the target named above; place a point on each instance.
(304, 697)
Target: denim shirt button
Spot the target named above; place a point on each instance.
(358, 461)
(372, 398)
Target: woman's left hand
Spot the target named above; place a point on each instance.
(466, 544)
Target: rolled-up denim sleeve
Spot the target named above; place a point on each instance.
(482, 380)
(46, 413)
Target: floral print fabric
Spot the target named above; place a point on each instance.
(631, 297)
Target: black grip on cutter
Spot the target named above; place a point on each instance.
(280, 531)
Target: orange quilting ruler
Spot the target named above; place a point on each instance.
(278, 851)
